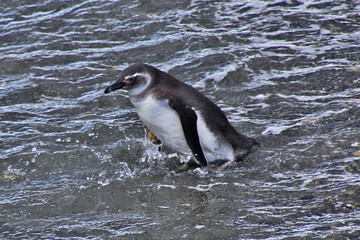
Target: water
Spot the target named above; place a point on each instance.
(74, 163)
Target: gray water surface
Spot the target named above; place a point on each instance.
(75, 164)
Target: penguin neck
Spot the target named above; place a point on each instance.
(139, 100)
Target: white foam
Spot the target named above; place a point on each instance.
(199, 226)
(165, 186)
(222, 72)
(206, 187)
(279, 127)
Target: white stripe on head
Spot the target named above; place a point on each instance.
(143, 86)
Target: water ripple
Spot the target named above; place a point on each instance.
(74, 162)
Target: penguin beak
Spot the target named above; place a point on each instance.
(114, 86)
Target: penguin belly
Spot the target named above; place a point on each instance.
(214, 146)
(163, 121)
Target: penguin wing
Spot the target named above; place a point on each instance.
(188, 119)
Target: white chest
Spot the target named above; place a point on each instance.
(163, 121)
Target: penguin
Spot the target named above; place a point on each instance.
(181, 117)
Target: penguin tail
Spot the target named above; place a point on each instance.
(245, 147)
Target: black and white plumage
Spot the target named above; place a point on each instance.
(181, 117)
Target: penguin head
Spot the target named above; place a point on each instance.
(135, 78)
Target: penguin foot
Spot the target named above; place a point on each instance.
(152, 138)
(226, 165)
(190, 165)
(219, 162)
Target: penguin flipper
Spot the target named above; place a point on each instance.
(188, 120)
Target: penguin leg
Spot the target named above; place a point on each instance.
(152, 138)
(188, 119)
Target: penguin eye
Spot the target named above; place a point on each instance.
(131, 79)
